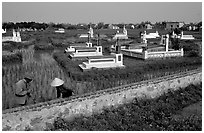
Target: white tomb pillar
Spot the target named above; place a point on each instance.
(124, 31)
(167, 42)
(181, 34)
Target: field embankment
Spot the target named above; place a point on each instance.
(159, 114)
(42, 115)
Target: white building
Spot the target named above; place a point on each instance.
(111, 61)
(60, 30)
(121, 35)
(15, 38)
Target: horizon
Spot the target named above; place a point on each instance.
(95, 12)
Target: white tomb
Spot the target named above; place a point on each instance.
(90, 32)
(72, 47)
(182, 36)
(121, 35)
(87, 52)
(15, 38)
(3, 31)
(186, 37)
(111, 61)
(60, 30)
(149, 52)
(150, 35)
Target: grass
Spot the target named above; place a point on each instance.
(142, 115)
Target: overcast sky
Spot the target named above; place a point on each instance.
(114, 12)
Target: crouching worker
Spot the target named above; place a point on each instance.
(61, 89)
(22, 92)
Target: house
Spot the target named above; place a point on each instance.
(121, 35)
(174, 25)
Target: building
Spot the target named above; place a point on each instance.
(15, 38)
(121, 35)
(174, 25)
(110, 61)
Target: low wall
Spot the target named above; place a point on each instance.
(150, 55)
(42, 115)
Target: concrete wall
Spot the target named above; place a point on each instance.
(42, 115)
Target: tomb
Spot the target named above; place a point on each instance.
(72, 47)
(87, 51)
(60, 30)
(150, 35)
(90, 32)
(15, 38)
(3, 31)
(102, 62)
(121, 35)
(147, 51)
(182, 36)
(186, 37)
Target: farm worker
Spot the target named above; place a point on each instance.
(22, 92)
(61, 89)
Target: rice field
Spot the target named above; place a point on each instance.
(42, 72)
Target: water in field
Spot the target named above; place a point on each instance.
(41, 67)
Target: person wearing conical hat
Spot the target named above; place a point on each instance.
(22, 91)
(61, 89)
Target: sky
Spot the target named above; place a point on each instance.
(107, 12)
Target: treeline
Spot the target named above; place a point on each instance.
(143, 115)
(102, 79)
(26, 25)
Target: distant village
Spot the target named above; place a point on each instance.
(33, 26)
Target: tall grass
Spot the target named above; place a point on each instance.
(42, 72)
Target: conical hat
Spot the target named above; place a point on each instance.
(57, 82)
